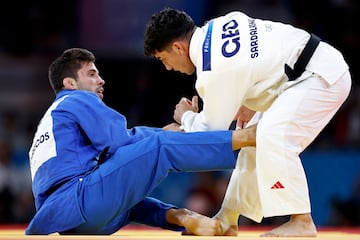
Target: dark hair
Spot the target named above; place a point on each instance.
(67, 65)
(164, 27)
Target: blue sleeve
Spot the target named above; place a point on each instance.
(103, 125)
(152, 212)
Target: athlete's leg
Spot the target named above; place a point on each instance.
(305, 110)
(242, 196)
(153, 212)
(150, 211)
(135, 170)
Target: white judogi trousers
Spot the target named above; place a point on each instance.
(269, 179)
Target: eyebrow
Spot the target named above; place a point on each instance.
(93, 71)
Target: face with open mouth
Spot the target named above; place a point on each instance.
(90, 80)
(100, 92)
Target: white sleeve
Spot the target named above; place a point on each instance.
(222, 93)
(192, 122)
(221, 102)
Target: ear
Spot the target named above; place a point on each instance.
(69, 83)
(179, 47)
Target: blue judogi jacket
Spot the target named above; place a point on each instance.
(72, 134)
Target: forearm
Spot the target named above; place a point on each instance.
(244, 137)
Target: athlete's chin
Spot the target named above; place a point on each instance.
(100, 95)
(191, 71)
(188, 72)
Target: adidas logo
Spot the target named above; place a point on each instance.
(277, 185)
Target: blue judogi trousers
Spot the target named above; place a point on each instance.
(115, 192)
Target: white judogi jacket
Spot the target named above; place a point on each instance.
(240, 61)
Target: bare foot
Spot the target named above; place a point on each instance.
(231, 231)
(228, 220)
(300, 225)
(195, 223)
(226, 229)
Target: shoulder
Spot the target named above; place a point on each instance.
(78, 95)
(77, 101)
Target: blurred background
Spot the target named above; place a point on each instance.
(33, 33)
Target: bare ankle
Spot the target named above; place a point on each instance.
(304, 218)
(299, 225)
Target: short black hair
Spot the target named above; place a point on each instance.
(164, 27)
(67, 65)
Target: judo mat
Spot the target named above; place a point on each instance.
(143, 232)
